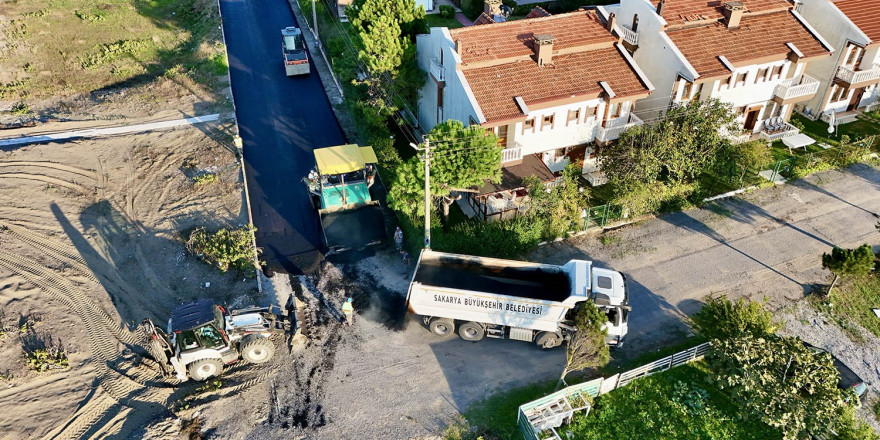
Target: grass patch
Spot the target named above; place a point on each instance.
(618, 365)
(682, 403)
(495, 416)
(436, 20)
(866, 125)
(78, 46)
(205, 179)
(45, 359)
(852, 300)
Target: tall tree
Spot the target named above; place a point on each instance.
(586, 347)
(409, 16)
(461, 157)
(858, 261)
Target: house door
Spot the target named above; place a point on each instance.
(751, 119)
(856, 98)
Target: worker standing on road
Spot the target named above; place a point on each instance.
(398, 238)
(348, 311)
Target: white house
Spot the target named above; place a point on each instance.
(849, 80)
(752, 54)
(543, 85)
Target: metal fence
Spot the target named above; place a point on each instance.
(540, 418)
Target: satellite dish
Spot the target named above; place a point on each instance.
(506, 10)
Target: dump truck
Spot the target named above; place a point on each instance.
(201, 337)
(296, 60)
(340, 185)
(481, 297)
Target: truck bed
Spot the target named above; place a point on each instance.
(537, 282)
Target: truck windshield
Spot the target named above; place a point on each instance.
(293, 42)
(210, 337)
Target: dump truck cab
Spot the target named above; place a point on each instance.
(296, 60)
(340, 185)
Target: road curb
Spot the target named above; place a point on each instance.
(315, 43)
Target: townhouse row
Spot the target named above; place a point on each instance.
(553, 87)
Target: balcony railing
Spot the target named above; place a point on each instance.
(437, 70)
(851, 76)
(797, 87)
(615, 127)
(772, 133)
(511, 154)
(629, 35)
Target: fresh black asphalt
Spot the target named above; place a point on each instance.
(281, 120)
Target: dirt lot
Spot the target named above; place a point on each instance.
(91, 245)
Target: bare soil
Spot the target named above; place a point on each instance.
(91, 244)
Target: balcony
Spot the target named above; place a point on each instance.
(437, 70)
(511, 155)
(615, 127)
(799, 88)
(858, 78)
(628, 35)
(776, 128)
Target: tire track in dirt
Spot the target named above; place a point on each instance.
(52, 165)
(47, 180)
(105, 351)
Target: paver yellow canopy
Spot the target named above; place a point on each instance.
(343, 159)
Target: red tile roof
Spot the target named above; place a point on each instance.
(514, 38)
(537, 12)
(484, 18)
(677, 12)
(865, 14)
(758, 36)
(576, 74)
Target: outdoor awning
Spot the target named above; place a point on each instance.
(512, 177)
(799, 140)
(343, 158)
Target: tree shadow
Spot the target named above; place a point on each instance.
(867, 173)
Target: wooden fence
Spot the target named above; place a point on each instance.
(540, 418)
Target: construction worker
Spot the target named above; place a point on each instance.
(348, 311)
(398, 238)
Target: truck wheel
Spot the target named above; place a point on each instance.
(471, 331)
(442, 326)
(256, 349)
(547, 340)
(204, 369)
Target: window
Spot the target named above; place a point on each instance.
(686, 91)
(762, 75)
(741, 79)
(502, 136)
(573, 116)
(613, 110)
(777, 72)
(837, 93)
(529, 125)
(210, 337)
(851, 55)
(548, 120)
(604, 282)
(635, 26)
(725, 82)
(489, 131)
(589, 113)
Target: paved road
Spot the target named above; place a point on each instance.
(766, 244)
(281, 121)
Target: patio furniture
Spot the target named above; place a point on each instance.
(799, 140)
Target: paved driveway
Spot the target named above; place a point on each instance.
(764, 244)
(281, 121)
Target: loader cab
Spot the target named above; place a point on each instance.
(199, 325)
(616, 327)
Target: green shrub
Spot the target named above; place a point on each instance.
(722, 318)
(447, 11)
(226, 248)
(45, 359)
(205, 179)
(652, 197)
(20, 108)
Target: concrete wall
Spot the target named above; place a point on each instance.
(458, 101)
(561, 134)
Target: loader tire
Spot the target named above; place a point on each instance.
(442, 326)
(204, 369)
(548, 340)
(256, 349)
(471, 331)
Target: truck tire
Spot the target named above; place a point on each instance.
(204, 369)
(442, 326)
(256, 349)
(471, 331)
(548, 340)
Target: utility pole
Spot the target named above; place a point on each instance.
(315, 22)
(427, 151)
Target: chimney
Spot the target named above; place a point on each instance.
(660, 7)
(492, 7)
(544, 49)
(612, 20)
(458, 46)
(733, 12)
